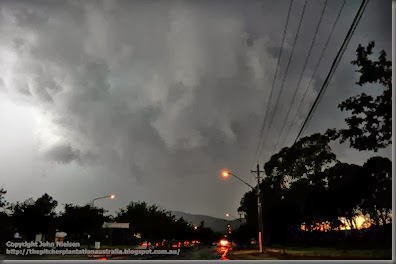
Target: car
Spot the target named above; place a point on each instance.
(223, 248)
(176, 244)
(144, 245)
(195, 242)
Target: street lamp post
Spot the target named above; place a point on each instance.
(227, 173)
(111, 196)
(259, 205)
(260, 220)
(259, 209)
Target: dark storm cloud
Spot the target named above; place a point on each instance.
(63, 154)
(169, 90)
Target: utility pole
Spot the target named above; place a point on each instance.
(259, 210)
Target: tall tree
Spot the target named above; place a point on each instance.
(78, 220)
(248, 205)
(378, 203)
(204, 234)
(370, 126)
(292, 174)
(341, 179)
(33, 217)
(152, 222)
(304, 159)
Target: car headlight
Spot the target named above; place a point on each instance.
(224, 242)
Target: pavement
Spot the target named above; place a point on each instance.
(195, 253)
(278, 254)
(250, 255)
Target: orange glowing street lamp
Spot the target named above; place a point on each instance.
(111, 196)
(230, 215)
(226, 174)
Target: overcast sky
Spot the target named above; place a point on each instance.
(150, 100)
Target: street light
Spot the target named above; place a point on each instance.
(111, 196)
(236, 218)
(229, 215)
(226, 174)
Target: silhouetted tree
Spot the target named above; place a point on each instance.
(292, 176)
(243, 234)
(33, 217)
(6, 227)
(248, 205)
(204, 234)
(342, 178)
(78, 221)
(154, 223)
(321, 196)
(305, 184)
(370, 126)
(305, 159)
(182, 230)
(378, 202)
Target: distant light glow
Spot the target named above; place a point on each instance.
(224, 242)
(225, 174)
(361, 223)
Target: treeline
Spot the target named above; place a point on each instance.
(308, 191)
(85, 223)
(313, 193)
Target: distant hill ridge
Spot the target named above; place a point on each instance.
(216, 224)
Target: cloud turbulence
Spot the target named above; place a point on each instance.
(151, 99)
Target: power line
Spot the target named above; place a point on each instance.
(283, 82)
(316, 69)
(302, 73)
(334, 65)
(273, 82)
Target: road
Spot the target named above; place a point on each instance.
(195, 253)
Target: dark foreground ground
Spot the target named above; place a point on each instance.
(313, 254)
(210, 253)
